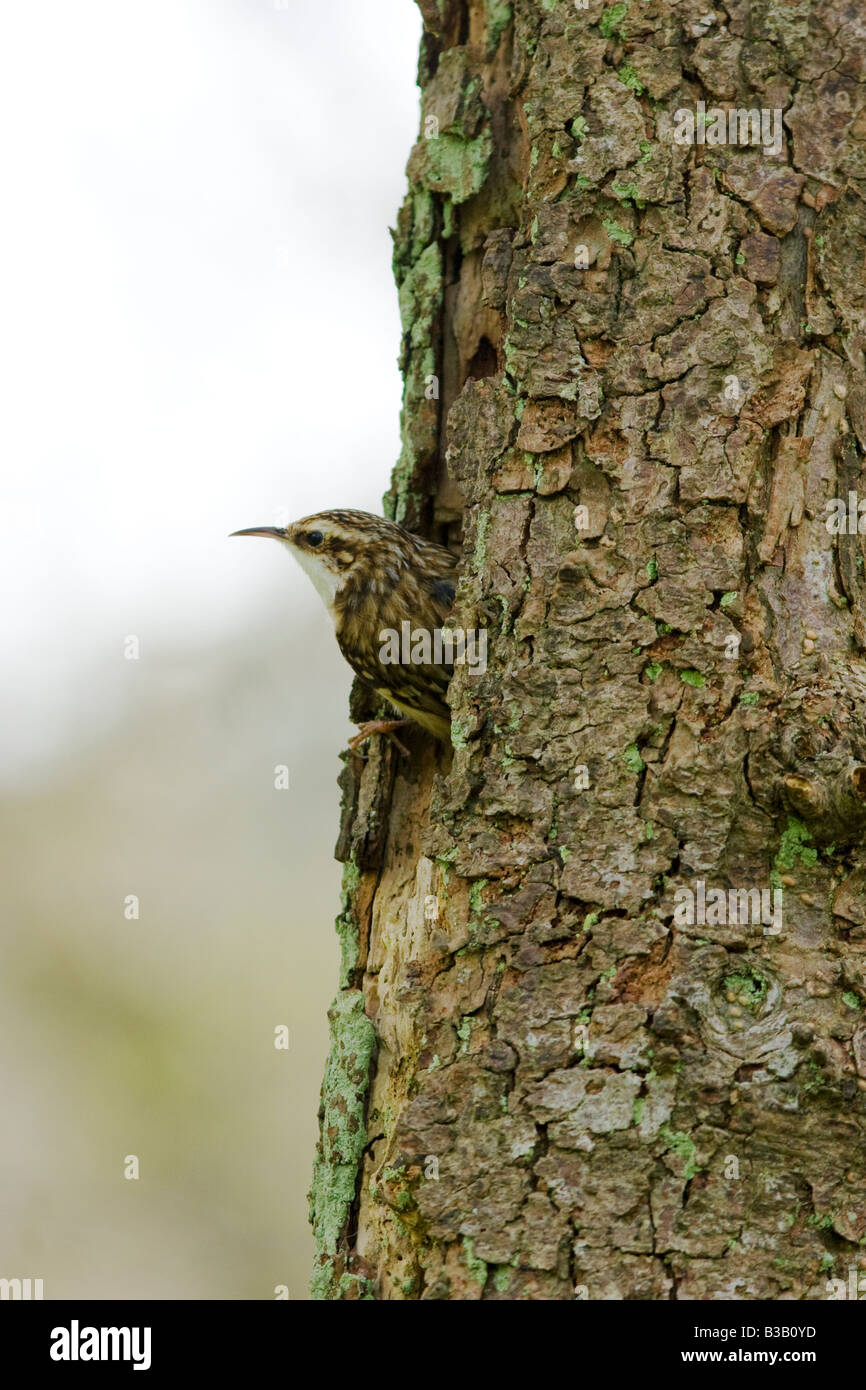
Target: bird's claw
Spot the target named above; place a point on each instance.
(379, 726)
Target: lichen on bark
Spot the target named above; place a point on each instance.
(343, 1140)
(648, 362)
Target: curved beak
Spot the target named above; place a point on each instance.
(275, 532)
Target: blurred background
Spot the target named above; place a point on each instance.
(199, 333)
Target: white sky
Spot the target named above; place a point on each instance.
(199, 324)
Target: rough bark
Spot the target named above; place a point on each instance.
(544, 1085)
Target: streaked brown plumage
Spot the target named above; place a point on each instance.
(373, 576)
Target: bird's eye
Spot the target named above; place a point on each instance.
(314, 538)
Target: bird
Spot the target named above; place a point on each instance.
(375, 577)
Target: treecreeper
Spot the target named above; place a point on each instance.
(389, 594)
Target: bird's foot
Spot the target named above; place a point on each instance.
(379, 726)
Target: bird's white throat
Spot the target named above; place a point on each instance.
(325, 582)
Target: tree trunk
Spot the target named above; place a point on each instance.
(569, 1059)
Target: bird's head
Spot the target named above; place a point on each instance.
(341, 548)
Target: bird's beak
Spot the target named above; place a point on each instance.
(275, 532)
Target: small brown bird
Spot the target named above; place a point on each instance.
(378, 580)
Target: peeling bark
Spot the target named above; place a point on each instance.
(633, 383)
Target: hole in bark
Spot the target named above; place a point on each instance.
(746, 1073)
(485, 363)
(858, 781)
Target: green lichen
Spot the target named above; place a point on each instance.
(653, 670)
(628, 192)
(420, 297)
(748, 988)
(727, 599)
(629, 78)
(347, 924)
(476, 896)
(477, 1268)
(456, 166)
(479, 555)
(355, 1286)
(810, 1076)
(343, 1134)
(851, 1000)
(464, 1032)
(616, 232)
(750, 698)
(793, 846)
(684, 1145)
(610, 22)
(823, 1223)
(423, 222)
(694, 678)
(452, 157)
(498, 18)
(458, 735)
(578, 128)
(632, 758)
(420, 294)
